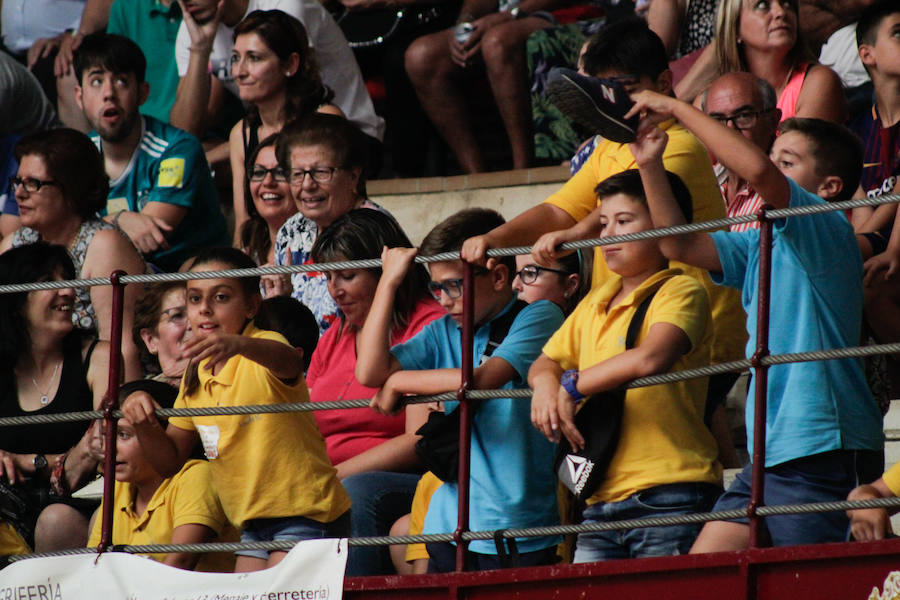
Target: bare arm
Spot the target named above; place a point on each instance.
(281, 359)
(192, 109)
(822, 96)
(148, 229)
(665, 18)
(522, 230)
(395, 454)
(543, 377)
(93, 18)
(108, 252)
(700, 75)
(165, 449)
(870, 523)
(236, 156)
(189, 533)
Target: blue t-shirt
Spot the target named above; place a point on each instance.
(817, 302)
(169, 166)
(512, 480)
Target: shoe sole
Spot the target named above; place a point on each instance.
(577, 105)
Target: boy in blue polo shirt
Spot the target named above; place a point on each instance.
(820, 415)
(161, 192)
(512, 480)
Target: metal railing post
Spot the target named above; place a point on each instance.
(761, 375)
(465, 415)
(110, 402)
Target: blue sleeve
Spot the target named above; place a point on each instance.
(822, 241)
(421, 351)
(529, 332)
(179, 174)
(734, 251)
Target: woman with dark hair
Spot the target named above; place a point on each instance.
(60, 186)
(374, 454)
(325, 156)
(267, 198)
(160, 330)
(46, 367)
(277, 75)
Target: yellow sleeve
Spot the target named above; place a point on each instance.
(892, 479)
(194, 499)
(682, 302)
(425, 489)
(12, 543)
(577, 196)
(564, 346)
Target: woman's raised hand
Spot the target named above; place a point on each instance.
(395, 263)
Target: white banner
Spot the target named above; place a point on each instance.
(313, 570)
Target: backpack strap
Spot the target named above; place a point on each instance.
(637, 319)
(500, 327)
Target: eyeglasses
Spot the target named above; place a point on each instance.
(31, 184)
(318, 174)
(177, 315)
(530, 273)
(452, 287)
(259, 173)
(742, 120)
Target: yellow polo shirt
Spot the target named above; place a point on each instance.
(263, 465)
(686, 157)
(11, 542)
(184, 499)
(425, 489)
(892, 479)
(663, 437)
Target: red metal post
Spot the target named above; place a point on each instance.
(465, 414)
(110, 402)
(761, 373)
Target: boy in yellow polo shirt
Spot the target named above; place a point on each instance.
(665, 462)
(150, 509)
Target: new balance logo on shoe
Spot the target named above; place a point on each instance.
(608, 93)
(598, 104)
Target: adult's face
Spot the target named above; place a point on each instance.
(322, 189)
(259, 73)
(45, 207)
(271, 194)
(110, 102)
(735, 99)
(768, 24)
(48, 313)
(172, 330)
(352, 290)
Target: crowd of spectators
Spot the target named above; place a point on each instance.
(733, 112)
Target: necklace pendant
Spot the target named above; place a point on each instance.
(45, 400)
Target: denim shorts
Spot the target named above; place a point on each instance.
(826, 477)
(294, 529)
(658, 501)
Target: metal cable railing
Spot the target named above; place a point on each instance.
(760, 362)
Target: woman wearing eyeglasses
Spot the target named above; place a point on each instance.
(60, 186)
(161, 329)
(277, 75)
(268, 202)
(324, 156)
(374, 454)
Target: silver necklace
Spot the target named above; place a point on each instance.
(45, 399)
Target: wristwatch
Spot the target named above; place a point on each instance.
(40, 462)
(569, 381)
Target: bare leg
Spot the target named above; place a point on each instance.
(398, 551)
(722, 536)
(503, 50)
(728, 457)
(68, 111)
(59, 527)
(436, 81)
(245, 564)
(275, 557)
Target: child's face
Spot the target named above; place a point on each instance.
(792, 154)
(488, 290)
(547, 285)
(218, 306)
(884, 54)
(621, 214)
(131, 466)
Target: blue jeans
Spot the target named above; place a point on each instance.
(659, 501)
(379, 499)
(826, 477)
(295, 529)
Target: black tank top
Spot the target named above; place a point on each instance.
(73, 395)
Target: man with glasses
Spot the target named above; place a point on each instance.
(744, 102)
(161, 192)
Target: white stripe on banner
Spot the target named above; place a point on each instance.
(313, 570)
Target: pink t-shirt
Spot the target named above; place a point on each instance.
(330, 377)
(787, 102)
